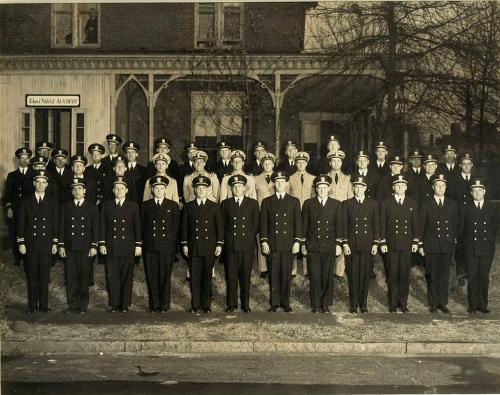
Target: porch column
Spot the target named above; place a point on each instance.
(151, 107)
(277, 112)
(112, 103)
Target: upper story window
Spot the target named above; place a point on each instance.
(218, 25)
(76, 25)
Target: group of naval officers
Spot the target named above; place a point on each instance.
(292, 214)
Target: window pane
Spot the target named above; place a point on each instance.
(80, 120)
(63, 24)
(206, 24)
(204, 125)
(88, 20)
(232, 31)
(26, 119)
(26, 136)
(80, 148)
(231, 124)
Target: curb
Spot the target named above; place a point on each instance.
(161, 348)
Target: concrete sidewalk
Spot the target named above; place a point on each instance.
(142, 333)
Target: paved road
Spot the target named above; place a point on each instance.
(249, 374)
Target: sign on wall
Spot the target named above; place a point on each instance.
(52, 100)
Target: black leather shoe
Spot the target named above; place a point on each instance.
(445, 309)
(364, 310)
(229, 309)
(433, 310)
(392, 310)
(47, 310)
(207, 310)
(124, 309)
(484, 311)
(405, 310)
(353, 310)
(471, 311)
(315, 310)
(287, 309)
(247, 310)
(29, 311)
(164, 310)
(325, 309)
(114, 310)
(194, 311)
(263, 274)
(272, 309)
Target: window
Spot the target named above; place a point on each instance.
(25, 128)
(75, 25)
(80, 133)
(217, 116)
(218, 25)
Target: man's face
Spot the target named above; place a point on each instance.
(161, 166)
(322, 190)
(359, 190)
(237, 164)
(478, 194)
(335, 164)
(399, 188)
(430, 167)
(163, 149)
(201, 191)
(268, 166)
(44, 152)
(132, 155)
(416, 162)
(96, 157)
(120, 168)
(259, 152)
(396, 168)
(199, 164)
(301, 165)
(280, 185)
(362, 162)
(39, 166)
(466, 166)
(238, 190)
(24, 160)
(120, 191)
(381, 154)
(290, 151)
(224, 153)
(450, 156)
(40, 184)
(159, 191)
(78, 168)
(439, 188)
(78, 191)
(60, 161)
(333, 146)
(113, 147)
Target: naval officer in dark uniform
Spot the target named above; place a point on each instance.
(114, 141)
(478, 225)
(361, 238)
(322, 238)
(223, 165)
(241, 224)
(19, 184)
(400, 235)
(280, 238)
(97, 171)
(78, 238)
(160, 227)
(202, 238)
(120, 240)
(37, 224)
(438, 222)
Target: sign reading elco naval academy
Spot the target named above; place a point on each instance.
(52, 100)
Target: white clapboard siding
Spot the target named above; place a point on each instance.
(94, 91)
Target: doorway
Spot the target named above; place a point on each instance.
(54, 125)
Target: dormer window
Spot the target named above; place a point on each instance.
(218, 25)
(75, 25)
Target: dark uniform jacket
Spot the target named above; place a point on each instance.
(79, 226)
(361, 224)
(184, 170)
(443, 169)
(202, 228)
(160, 226)
(137, 176)
(108, 187)
(253, 167)
(280, 222)
(478, 228)
(99, 177)
(322, 225)
(120, 228)
(384, 187)
(424, 189)
(286, 167)
(438, 226)
(221, 170)
(108, 162)
(64, 182)
(37, 224)
(459, 190)
(372, 180)
(241, 224)
(17, 187)
(380, 171)
(412, 177)
(399, 226)
(90, 189)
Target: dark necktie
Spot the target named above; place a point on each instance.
(479, 205)
(400, 201)
(467, 178)
(157, 203)
(359, 201)
(40, 200)
(440, 203)
(78, 204)
(302, 179)
(268, 179)
(336, 178)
